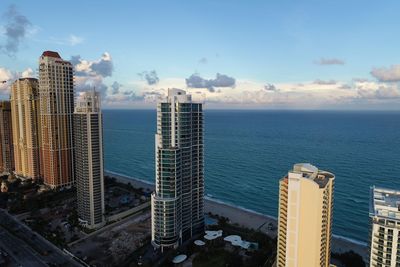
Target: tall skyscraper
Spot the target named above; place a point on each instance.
(26, 127)
(88, 134)
(178, 201)
(6, 140)
(56, 94)
(384, 212)
(305, 217)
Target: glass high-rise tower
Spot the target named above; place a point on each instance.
(178, 201)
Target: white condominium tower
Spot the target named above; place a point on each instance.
(384, 212)
(305, 217)
(26, 127)
(56, 97)
(178, 201)
(88, 136)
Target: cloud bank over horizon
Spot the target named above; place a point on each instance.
(214, 84)
(224, 91)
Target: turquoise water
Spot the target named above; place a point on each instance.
(247, 152)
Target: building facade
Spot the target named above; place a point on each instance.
(6, 140)
(178, 201)
(56, 98)
(26, 127)
(384, 214)
(305, 217)
(88, 134)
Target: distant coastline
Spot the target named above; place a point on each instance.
(235, 214)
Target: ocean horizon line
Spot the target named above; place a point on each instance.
(211, 198)
(153, 108)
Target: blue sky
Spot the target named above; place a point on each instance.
(276, 43)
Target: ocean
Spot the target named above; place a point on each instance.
(247, 152)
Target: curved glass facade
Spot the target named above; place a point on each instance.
(177, 203)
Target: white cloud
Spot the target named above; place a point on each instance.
(5, 74)
(252, 94)
(246, 94)
(391, 74)
(329, 61)
(74, 40)
(70, 40)
(7, 77)
(314, 94)
(103, 66)
(390, 92)
(91, 73)
(323, 82)
(27, 73)
(33, 31)
(378, 91)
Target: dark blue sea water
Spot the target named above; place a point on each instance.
(247, 152)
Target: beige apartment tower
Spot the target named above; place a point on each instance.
(6, 140)
(26, 127)
(305, 217)
(56, 98)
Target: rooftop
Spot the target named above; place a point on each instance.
(237, 241)
(306, 170)
(385, 203)
(51, 54)
(28, 79)
(179, 259)
(211, 235)
(199, 243)
(88, 102)
(175, 92)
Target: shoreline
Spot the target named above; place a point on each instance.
(125, 179)
(254, 220)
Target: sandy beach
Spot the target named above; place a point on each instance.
(257, 221)
(135, 182)
(242, 217)
(249, 219)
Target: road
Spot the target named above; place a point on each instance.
(29, 248)
(19, 251)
